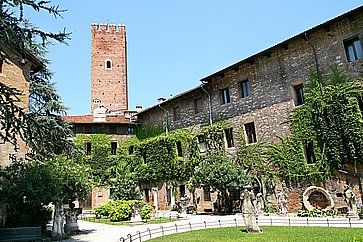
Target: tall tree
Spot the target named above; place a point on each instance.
(43, 130)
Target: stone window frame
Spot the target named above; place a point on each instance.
(198, 109)
(254, 136)
(224, 99)
(176, 113)
(228, 138)
(349, 42)
(294, 92)
(207, 194)
(241, 88)
(106, 64)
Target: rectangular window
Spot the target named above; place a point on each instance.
(201, 143)
(176, 113)
(353, 49)
(228, 133)
(206, 194)
(113, 129)
(245, 88)
(131, 130)
(131, 149)
(250, 133)
(88, 129)
(88, 148)
(182, 190)
(309, 153)
(298, 94)
(179, 148)
(113, 147)
(225, 96)
(143, 152)
(198, 105)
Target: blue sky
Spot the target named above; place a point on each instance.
(173, 44)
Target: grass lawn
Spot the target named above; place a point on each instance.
(306, 234)
(148, 221)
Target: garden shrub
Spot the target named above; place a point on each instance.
(120, 210)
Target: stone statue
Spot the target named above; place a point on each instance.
(58, 221)
(136, 215)
(349, 198)
(259, 203)
(282, 201)
(249, 211)
(71, 218)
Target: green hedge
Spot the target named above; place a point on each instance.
(121, 210)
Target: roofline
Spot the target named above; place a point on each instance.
(251, 58)
(170, 99)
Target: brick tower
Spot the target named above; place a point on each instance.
(109, 68)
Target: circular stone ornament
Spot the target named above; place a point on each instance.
(312, 189)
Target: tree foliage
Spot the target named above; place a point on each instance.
(41, 127)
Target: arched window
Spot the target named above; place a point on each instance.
(108, 65)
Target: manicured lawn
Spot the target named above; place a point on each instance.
(296, 234)
(148, 221)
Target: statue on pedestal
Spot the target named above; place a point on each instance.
(249, 211)
(58, 221)
(260, 205)
(282, 201)
(349, 198)
(71, 218)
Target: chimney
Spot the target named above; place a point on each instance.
(138, 108)
(161, 99)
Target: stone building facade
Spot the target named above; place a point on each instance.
(257, 94)
(15, 72)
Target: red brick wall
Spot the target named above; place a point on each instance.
(15, 75)
(109, 85)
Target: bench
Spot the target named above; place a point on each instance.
(21, 234)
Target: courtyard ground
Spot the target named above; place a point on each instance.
(93, 232)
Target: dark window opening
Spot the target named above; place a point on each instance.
(201, 143)
(108, 64)
(299, 94)
(339, 194)
(225, 96)
(353, 49)
(176, 113)
(250, 133)
(88, 148)
(229, 137)
(113, 130)
(182, 190)
(309, 153)
(113, 147)
(131, 150)
(206, 194)
(198, 105)
(179, 148)
(88, 129)
(245, 89)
